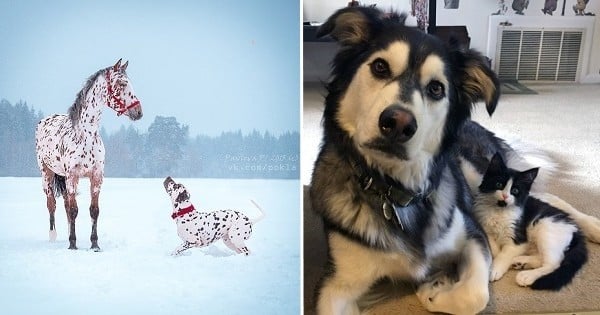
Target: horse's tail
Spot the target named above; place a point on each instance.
(60, 185)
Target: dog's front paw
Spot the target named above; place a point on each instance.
(427, 291)
(446, 296)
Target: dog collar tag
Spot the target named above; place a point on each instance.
(397, 210)
(388, 209)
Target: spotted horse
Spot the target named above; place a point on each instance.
(69, 146)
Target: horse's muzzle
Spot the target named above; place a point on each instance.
(135, 113)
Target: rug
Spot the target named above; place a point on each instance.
(514, 87)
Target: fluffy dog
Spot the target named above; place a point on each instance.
(198, 229)
(388, 181)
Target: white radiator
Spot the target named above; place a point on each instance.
(539, 54)
(541, 48)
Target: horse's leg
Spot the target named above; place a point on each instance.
(48, 184)
(95, 183)
(71, 207)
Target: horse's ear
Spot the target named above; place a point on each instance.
(117, 65)
(124, 67)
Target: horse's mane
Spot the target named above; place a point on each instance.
(75, 109)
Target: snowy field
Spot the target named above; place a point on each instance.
(134, 273)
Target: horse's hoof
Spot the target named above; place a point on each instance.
(73, 247)
(96, 249)
(52, 235)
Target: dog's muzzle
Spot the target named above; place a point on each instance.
(397, 124)
(167, 181)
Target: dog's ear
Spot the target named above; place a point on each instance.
(477, 81)
(496, 163)
(352, 26)
(183, 196)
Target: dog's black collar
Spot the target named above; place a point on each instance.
(392, 196)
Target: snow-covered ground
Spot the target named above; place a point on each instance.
(134, 273)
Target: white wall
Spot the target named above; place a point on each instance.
(320, 10)
(475, 15)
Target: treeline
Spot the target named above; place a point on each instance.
(17, 139)
(166, 148)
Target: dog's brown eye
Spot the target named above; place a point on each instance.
(435, 90)
(380, 68)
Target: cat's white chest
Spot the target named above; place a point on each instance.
(499, 223)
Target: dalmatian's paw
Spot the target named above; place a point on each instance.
(177, 253)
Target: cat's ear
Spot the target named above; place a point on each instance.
(530, 175)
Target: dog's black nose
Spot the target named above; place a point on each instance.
(167, 181)
(397, 123)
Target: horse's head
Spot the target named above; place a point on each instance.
(121, 96)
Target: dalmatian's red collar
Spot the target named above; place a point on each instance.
(182, 212)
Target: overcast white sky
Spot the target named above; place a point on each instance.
(214, 65)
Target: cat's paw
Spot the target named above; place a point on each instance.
(527, 277)
(498, 270)
(526, 262)
(518, 265)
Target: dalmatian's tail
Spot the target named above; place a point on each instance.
(262, 213)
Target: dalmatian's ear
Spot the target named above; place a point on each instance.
(183, 196)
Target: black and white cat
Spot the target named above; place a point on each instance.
(525, 232)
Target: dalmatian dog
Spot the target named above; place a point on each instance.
(199, 229)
